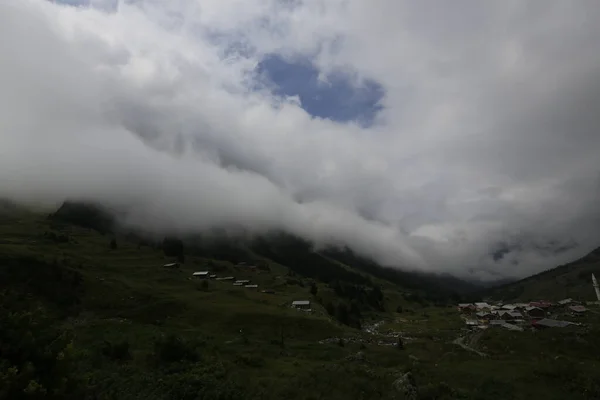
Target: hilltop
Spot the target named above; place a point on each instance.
(572, 280)
(89, 311)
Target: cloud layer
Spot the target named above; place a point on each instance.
(482, 161)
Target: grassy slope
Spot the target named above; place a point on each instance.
(125, 294)
(570, 280)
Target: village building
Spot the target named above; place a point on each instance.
(466, 307)
(515, 315)
(212, 276)
(550, 323)
(535, 312)
(512, 327)
(578, 310)
(509, 307)
(301, 304)
(483, 306)
(243, 281)
(497, 322)
(565, 302)
(251, 286)
(541, 304)
(237, 284)
(171, 265)
(504, 314)
(200, 274)
(485, 315)
(471, 322)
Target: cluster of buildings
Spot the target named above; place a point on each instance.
(303, 305)
(537, 314)
(517, 316)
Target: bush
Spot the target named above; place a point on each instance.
(116, 351)
(172, 349)
(203, 286)
(36, 360)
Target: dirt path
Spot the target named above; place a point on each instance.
(460, 341)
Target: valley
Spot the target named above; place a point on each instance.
(95, 314)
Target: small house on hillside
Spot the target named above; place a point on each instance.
(171, 265)
(565, 302)
(243, 281)
(238, 284)
(200, 274)
(251, 286)
(301, 304)
(225, 278)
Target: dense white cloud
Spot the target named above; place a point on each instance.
(483, 161)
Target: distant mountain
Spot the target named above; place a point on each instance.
(570, 280)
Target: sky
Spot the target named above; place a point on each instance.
(457, 137)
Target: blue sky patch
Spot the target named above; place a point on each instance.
(338, 99)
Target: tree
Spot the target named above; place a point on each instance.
(399, 309)
(330, 308)
(341, 314)
(204, 286)
(113, 244)
(313, 289)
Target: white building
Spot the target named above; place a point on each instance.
(301, 304)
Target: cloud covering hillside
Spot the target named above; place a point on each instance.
(459, 137)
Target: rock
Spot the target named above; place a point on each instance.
(405, 387)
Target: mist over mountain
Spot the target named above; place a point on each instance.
(455, 138)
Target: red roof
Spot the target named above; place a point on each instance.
(540, 304)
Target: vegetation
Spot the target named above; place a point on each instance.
(572, 280)
(83, 320)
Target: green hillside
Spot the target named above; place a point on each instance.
(90, 314)
(572, 280)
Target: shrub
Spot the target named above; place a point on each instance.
(116, 351)
(172, 349)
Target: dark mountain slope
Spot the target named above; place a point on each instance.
(570, 280)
